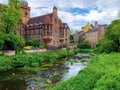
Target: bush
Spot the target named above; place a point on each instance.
(106, 45)
(111, 41)
(83, 45)
(32, 60)
(34, 64)
(33, 42)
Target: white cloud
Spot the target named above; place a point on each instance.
(105, 12)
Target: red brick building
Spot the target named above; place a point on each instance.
(48, 28)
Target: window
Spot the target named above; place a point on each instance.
(53, 42)
(57, 42)
(25, 13)
(55, 20)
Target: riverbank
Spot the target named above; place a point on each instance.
(31, 60)
(102, 74)
(44, 76)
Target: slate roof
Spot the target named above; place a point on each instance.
(96, 28)
(41, 19)
(66, 26)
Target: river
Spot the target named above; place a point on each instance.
(45, 76)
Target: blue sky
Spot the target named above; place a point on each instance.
(77, 12)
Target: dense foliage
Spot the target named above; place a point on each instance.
(104, 75)
(83, 45)
(10, 17)
(31, 60)
(111, 41)
(33, 42)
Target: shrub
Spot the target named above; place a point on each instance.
(106, 45)
(34, 64)
(33, 42)
(32, 60)
(83, 45)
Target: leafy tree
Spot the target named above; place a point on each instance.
(1, 39)
(111, 41)
(10, 17)
(113, 33)
(106, 45)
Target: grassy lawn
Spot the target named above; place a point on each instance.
(103, 73)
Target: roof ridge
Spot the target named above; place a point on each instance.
(41, 15)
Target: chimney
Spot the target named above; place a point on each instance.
(55, 10)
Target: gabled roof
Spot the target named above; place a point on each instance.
(47, 20)
(66, 26)
(42, 19)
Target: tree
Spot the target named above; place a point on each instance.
(111, 39)
(113, 33)
(71, 36)
(83, 45)
(106, 45)
(10, 17)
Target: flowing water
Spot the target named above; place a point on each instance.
(43, 77)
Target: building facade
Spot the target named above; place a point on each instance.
(95, 34)
(48, 28)
(91, 33)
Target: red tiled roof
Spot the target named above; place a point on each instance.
(47, 20)
(41, 19)
(61, 24)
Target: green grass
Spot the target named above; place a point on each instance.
(78, 50)
(31, 60)
(103, 73)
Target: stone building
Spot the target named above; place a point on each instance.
(48, 28)
(80, 35)
(91, 33)
(95, 34)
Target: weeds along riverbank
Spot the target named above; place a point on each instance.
(32, 60)
(102, 73)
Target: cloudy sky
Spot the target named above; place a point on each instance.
(77, 12)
